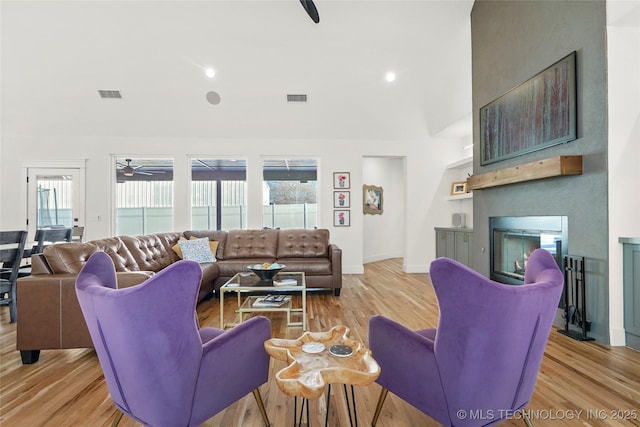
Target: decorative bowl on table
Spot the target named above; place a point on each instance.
(266, 271)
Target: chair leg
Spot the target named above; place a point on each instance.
(526, 418)
(118, 418)
(13, 310)
(383, 396)
(263, 411)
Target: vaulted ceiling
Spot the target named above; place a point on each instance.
(57, 55)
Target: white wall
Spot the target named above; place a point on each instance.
(623, 38)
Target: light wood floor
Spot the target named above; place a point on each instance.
(66, 387)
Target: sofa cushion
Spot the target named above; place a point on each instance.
(196, 250)
(230, 267)
(310, 266)
(152, 252)
(249, 244)
(119, 253)
(303, 243)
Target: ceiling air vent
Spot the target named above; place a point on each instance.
(110, 94)
(296, 98)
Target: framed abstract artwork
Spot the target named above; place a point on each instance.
(538, 113)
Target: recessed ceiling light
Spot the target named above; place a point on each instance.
(391, 76)
(210, 72)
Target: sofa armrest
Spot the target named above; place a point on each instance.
(39, 265)
(335, 253)
(49, 316)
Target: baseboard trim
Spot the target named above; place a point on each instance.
(416, 268)
(617, 337)
(353, 269)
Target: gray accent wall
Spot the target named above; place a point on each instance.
(511, 42)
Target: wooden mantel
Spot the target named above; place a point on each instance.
(547, 168)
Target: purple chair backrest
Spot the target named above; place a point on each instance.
(146, 338)
(491, 336)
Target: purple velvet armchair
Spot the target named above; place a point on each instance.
(161, 370)
(479, 367)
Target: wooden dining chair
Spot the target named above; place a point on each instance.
(11, 253)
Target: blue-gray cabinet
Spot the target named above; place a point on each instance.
(454, 243)
(631, 290)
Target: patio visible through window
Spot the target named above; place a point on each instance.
(290, 193)
(144, 196)
(218, 194)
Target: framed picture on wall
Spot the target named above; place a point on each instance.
(342, 218)
(538, 113)
(341, 180)
(372, 199)
(341, 199)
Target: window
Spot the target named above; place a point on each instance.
(144, 196)
(218, 194)
(290, 193)
(54, 201)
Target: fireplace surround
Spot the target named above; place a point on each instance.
(512, 239)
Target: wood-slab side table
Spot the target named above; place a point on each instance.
(309, 373)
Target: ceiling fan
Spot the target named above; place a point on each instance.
(311, 10)
(129, 170)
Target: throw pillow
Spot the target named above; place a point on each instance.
(176, 247)
(212, 243)
(197, 250)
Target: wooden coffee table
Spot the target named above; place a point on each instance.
(311, 371)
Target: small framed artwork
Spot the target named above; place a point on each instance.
(372, 199)
(342, 218)
(341, 199)
(341, 180)
(458, 188)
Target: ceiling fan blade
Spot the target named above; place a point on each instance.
(143, 173)
(311, 10)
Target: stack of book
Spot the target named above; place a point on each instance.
(285, 282)
(271, 301)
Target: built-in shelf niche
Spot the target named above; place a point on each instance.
(461, 164)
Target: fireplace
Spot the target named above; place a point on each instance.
(512, 239)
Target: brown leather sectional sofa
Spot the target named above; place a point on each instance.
(49, 316)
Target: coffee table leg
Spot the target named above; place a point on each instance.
(304, 309)
(221, 309)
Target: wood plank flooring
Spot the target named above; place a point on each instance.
(580, 383)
